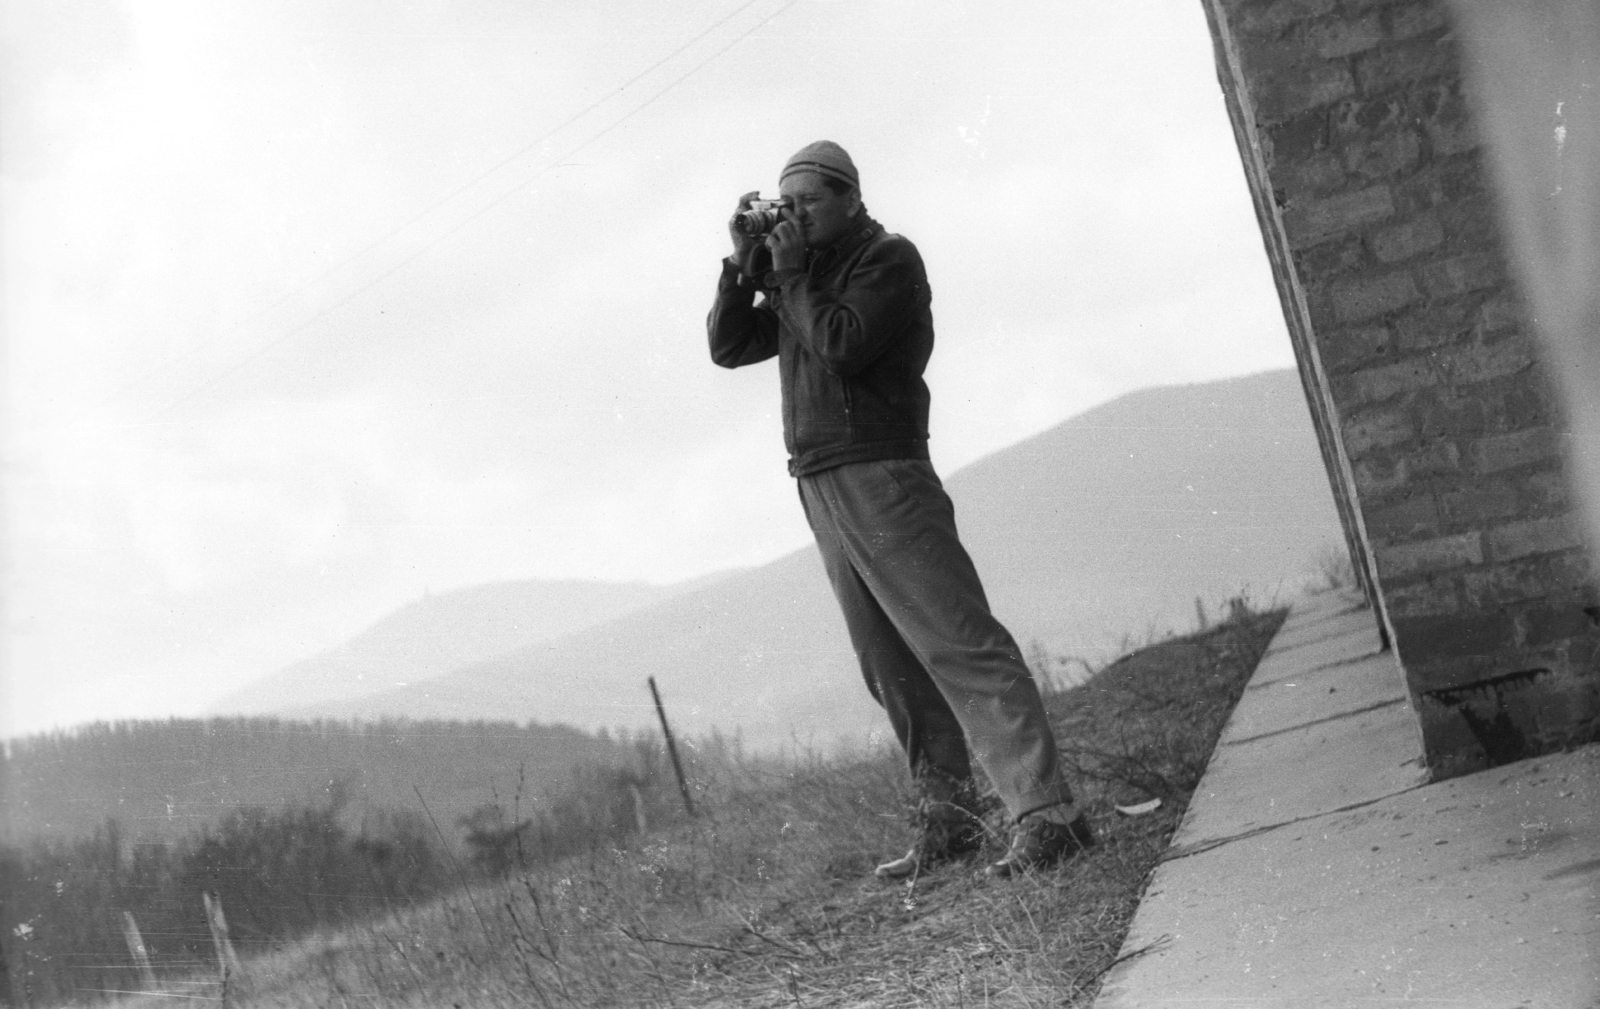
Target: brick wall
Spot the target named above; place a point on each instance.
(1442, 440)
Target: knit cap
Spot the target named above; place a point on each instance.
(825, 157)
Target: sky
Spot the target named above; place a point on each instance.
(313, 307)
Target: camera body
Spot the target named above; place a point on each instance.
(761, 217)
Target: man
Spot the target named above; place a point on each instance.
(846, 312)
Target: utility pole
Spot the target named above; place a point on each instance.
(672, 747)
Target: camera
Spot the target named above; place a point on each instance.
(762, 216)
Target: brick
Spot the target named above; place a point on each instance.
(1500, 452)
(1319, 220)
(1343, 36)
(1433, 324)
(1463, 179)
(1500, 406)
(1452, 134)
(1460, 275)
(1414, 517)
(1436, 458)
(1355, 118)
(1535, 536)
(1433, 598)
(1477, 504)
(1518, 581)
(1544, 493)
(1446, 117)
(1371, 297)
(1299, 87)
(1319, 304)
(1424, 330)
(1298, 138)
(1440, 96)
(1377, 429)
(1345, 350)
(1416, 19)
(1444, 553)
(1484, 362)
(1422, 638)
(1471, 224)
(1518, 402)
(1444, 411)
(1385, 382)
(1441, 184)
(1264, 19)
(1557, 622)
(1404, 63)
(1378, 475)
(1309, 177)
(1335, 258)
(1500, 314)
(1403, 241)
(1386, 155)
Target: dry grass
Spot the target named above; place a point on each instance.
(1333, 567)
(767, 898)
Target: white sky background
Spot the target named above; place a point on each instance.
(245, 415)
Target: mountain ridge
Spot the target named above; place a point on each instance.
(1116, 519)
(441, 632)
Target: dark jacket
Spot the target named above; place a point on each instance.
(852, 333)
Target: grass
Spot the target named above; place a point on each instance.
(767, 898)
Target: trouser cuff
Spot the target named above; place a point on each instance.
(1057, 806)
(1062, 812)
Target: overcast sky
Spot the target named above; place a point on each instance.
(313, 306)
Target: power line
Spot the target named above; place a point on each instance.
(464, 187)
(521, 151)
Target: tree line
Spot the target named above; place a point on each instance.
(285, 871)
(163, 779)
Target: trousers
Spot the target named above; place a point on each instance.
(947, 673)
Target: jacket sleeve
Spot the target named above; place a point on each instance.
(847, 329)
(741, 332)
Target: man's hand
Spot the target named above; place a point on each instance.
(743, 245)
(788, 243)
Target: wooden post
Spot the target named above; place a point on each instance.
(227, 960)
(672, 748)
(10, 992)
(639, 819)
(141, 957)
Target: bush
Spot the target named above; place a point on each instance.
(280, 874)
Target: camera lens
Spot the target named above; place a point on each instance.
(756, 222)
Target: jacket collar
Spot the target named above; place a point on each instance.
(823, 259)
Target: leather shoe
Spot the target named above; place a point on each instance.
(1040, 843)
(938, 841)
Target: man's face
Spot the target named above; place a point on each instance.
(824, 215)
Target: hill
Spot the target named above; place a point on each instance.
(766, 897)
(441, 633)
(1111, 523)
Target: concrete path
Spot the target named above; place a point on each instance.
(1316, 866)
